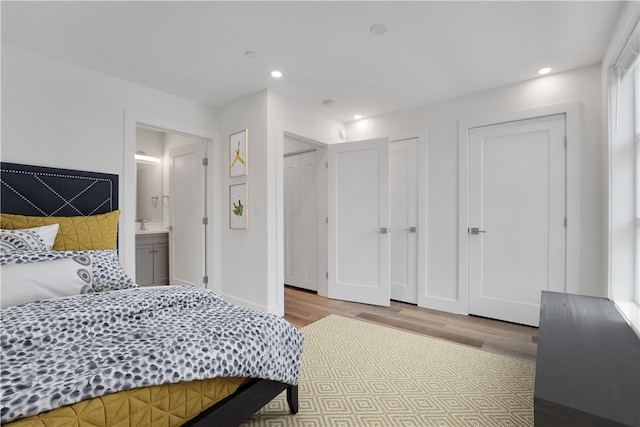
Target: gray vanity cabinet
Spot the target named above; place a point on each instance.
(152, 259)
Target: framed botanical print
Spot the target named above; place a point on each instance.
(238, 210)
(238, 159)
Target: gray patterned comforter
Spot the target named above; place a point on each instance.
(58, 352)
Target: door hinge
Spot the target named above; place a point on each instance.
(565, 222)
(205, 161)
(205, 220)
(205, 279)
(565, 142)
(326, 165)
(326, 219)
(327, 274)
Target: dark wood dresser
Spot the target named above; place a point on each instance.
(588, 364)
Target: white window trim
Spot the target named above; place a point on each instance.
(623, 242)
(637, 191)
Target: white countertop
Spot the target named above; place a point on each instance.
(153, 231)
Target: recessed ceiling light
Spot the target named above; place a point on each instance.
(378, 29)
(276, 74)
(545, 70)
(357, 116)
(250, 54)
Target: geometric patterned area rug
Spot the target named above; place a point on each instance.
(357, 374)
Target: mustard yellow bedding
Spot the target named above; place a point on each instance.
(163, 405)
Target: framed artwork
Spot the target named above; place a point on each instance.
(238, 165)
(238, 210)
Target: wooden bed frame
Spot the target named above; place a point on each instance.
(246, 401)
(44, 191)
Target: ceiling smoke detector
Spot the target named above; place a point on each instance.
(378, 29)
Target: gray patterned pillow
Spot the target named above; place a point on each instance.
(108, 274)
(36, 238)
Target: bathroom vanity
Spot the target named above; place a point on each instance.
(152, 257)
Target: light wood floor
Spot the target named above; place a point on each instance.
(304, 307)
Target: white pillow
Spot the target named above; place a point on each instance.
(107, 273)
(37, 238)
(35, 281)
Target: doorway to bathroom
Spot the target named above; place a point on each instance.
(171, 208)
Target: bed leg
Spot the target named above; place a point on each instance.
(292, 398)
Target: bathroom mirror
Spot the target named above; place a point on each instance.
(149, 192)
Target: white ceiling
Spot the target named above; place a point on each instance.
(431, 51)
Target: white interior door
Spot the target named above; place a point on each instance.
(300, 230)
(187, 210)
(516, 217)
(358, 216)
(403, 182)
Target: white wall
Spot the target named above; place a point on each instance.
(60, 115)
(245, 276)
(295, 145)
(150, 142)
(253, 273)
(441, 121)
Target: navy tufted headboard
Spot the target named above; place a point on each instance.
(43, 191)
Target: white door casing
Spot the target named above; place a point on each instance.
(187, 236)
(403, 202)
(126, 225)
(300, 216)
(358, 216)
(517, 209)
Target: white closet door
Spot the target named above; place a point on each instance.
(359, 221)
(300, 231)
(403, 198)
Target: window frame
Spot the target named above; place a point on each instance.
(622, 77)
(636, 106)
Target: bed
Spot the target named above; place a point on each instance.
(82, 344)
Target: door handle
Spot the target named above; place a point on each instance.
(383, 230)
(410, 229)
(475, 230)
